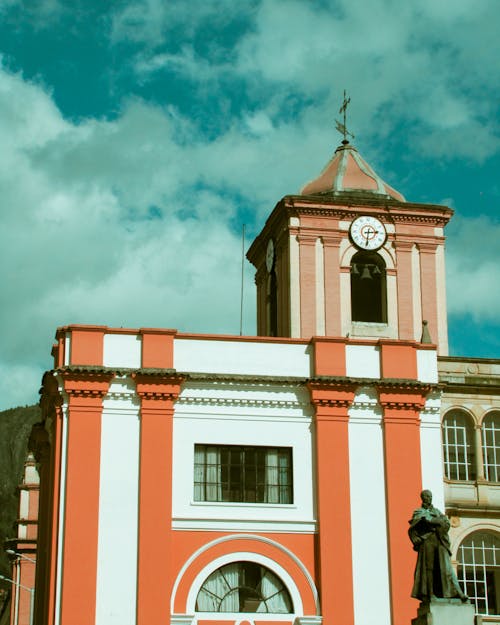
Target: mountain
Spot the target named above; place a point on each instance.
(15, 428)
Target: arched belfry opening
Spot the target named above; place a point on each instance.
(368, 288)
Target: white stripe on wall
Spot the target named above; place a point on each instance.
(118, 513)
(368, 515)
(431, 450)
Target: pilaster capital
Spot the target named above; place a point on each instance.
(403, 397)
(403, 246)
(86, 384)
(157, 386)
(307, 239)
(427, 247)
(331, 240)
(331, 394)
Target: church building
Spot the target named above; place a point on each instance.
(203, 479)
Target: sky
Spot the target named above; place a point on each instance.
(137, 137)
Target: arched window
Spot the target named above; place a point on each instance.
(458, 446)
(479, 570)
(244, 587)
(491, 446)
(368, 288)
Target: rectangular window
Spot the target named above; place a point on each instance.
(243, 474)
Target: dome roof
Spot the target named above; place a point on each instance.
(348, 172)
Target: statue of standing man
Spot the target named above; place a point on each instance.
(434, 574)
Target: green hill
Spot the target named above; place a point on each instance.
(15, 428)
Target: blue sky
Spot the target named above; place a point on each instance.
(136, 137)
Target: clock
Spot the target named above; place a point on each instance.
(270, 255)
(368, 233)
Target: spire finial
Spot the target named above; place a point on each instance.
(426, 335)
(342, 127)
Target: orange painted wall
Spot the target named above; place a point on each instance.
(157, 348)
(87, 346)
(188, 542)
(155, 546)
(329, 356)
(398, 359)
(78, 597)
(403, 480)
(307, 256)
(331, 403)
(405, 289)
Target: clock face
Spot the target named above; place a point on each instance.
(368, 233)
(270, 255)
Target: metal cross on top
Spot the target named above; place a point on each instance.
(342, 127)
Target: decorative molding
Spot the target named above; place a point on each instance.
(124, 394)
(243, 403)
(219, 525)
(236, 538)
(306, 238)
(181, 619)
(308, 620)
(157, 385)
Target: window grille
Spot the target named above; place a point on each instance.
(243, 474)
(491, 447)
(244, 587)
(458, 447)
(479, 570)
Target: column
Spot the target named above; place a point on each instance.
(478, 442)
(331, 247)
(307, 255)
(45, 442)
(154, 576)
(405, 290)
(78, 594)
(428, 287)
(401, 403)
(260, 284)
(331, 402)
(282, 279)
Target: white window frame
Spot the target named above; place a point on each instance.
(491, 434)
(458, 438)
(473, 566)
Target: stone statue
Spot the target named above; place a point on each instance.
(434, 574)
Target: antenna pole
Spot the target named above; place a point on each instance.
(242, 275)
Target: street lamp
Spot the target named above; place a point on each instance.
(30, 590)
(19, 555)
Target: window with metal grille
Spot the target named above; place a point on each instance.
(243, 474)
(479, 570)
(491, 446)
(244, 587)
(458, 446)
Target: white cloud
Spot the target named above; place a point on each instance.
(105, 222)
(473, 271)
(151, 21)
(413, 64)
(128, 222)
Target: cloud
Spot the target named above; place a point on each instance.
(134, 219)
(108, 222)
(150, 22)
(472, 268)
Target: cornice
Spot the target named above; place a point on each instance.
(241, 402)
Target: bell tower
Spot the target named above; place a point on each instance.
(349, 256)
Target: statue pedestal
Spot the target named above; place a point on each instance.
(444, 612)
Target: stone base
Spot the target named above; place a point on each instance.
(445, 612)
